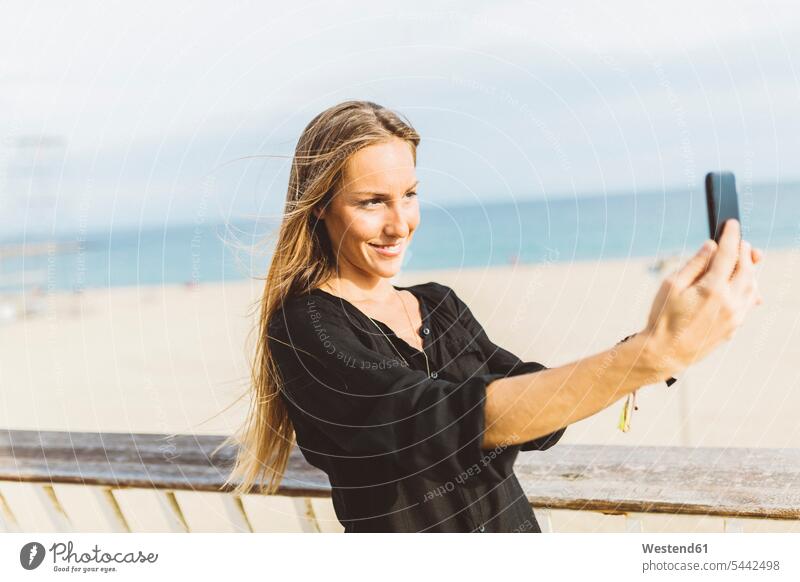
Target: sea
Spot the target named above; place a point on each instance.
(586, 228)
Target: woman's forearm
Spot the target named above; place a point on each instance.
(528, 406)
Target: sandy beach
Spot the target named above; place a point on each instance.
(167, 359)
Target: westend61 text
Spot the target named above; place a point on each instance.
(670, 549)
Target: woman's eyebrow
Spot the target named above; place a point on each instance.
(414, 185)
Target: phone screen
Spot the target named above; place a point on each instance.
(722, 201)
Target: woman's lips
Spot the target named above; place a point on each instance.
(388, 250)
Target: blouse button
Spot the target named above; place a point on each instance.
(426, 331)
(482, 529)
(434, 374)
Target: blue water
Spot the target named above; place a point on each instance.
(560, 230)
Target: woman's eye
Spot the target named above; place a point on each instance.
(371, 201)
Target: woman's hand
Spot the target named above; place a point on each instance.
(702, 304)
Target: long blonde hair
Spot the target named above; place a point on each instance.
(303, 259)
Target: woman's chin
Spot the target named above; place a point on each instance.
(387, 267)
(388, 273)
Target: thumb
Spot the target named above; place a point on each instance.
(695, 266)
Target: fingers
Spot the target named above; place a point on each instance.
(742, 282)
(757, 256)
(727, 254)
(694, 266)
(745, 251)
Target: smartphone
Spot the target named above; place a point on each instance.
(722, 201)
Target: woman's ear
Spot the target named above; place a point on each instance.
(319, 213)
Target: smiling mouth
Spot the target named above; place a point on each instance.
(389, 250)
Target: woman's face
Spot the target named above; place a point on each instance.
(373, 216)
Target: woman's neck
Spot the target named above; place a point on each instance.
(377, 290)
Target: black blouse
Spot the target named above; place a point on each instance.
(401, 448)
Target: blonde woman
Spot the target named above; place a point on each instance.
(397, 393)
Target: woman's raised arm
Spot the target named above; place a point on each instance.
(696, 309)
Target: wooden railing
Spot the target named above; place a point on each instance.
(68, 481)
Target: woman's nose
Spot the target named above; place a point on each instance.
(397, 222)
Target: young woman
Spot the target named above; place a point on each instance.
(397, 393)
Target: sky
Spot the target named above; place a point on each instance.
(155, 113)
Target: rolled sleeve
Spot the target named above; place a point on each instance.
(502, 364)
(369, 404)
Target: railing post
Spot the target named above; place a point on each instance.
(633, 523)
(734, 525)
(545, 520)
